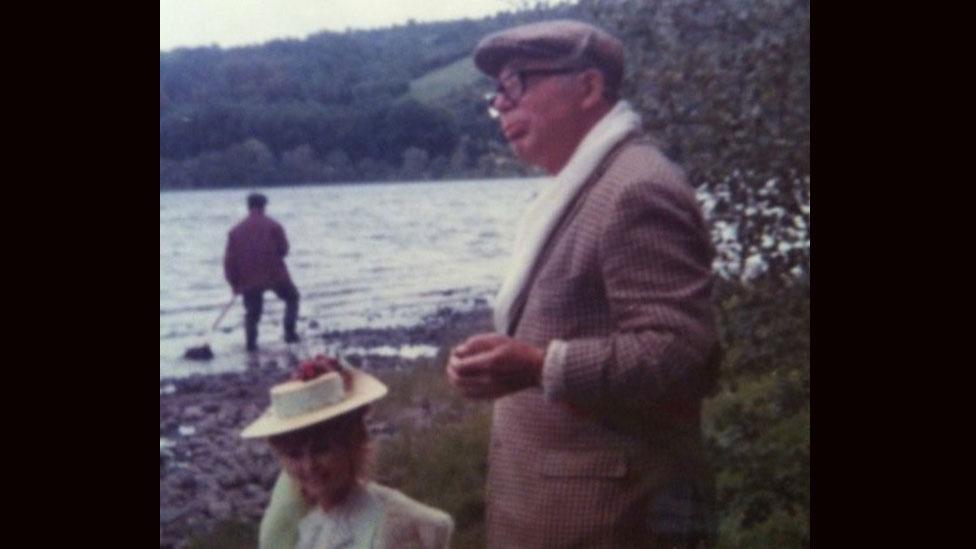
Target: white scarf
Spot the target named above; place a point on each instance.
(540, 219)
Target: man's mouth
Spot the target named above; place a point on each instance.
(514, 131)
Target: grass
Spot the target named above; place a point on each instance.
(228, 534)
(442, 463)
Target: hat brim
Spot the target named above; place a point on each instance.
(491, 59)
(365, 389)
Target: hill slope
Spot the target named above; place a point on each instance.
(451, 79)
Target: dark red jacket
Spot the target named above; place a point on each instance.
(256, 248)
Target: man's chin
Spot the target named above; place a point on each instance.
(520, 147)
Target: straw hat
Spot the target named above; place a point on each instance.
(297, 404)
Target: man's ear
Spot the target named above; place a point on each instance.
(593, 86)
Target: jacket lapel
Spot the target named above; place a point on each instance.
(519, 304)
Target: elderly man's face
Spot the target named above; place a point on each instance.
(539, 124)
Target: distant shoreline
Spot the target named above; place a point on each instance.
(444, 180)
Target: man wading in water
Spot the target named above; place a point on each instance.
(255, 262)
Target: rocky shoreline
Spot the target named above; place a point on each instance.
(208, 475)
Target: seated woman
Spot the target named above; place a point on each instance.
(316, 425)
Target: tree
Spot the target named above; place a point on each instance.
(338, 166)
(247, 163)
(300, 165)
(411, 124)
(725, 85)
(414, 163)
(173, 175)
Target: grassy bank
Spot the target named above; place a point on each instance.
(441, 461)
(757, 427)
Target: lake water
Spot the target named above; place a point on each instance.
(361, 256)
(382, 255)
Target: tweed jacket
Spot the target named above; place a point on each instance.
(625, 281)
(405, 523)
(255, 254)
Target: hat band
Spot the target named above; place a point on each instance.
(296, 398)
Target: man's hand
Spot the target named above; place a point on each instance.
(492, 365)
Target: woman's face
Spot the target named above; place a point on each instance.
(323, 463)
(325, 476)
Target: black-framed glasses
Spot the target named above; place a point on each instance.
(514, 87)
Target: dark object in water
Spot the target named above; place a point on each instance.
(202, 352)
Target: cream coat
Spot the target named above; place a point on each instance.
(406, 523)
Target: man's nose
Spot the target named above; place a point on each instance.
(502, 103)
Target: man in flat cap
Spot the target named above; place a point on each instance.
(605, 341)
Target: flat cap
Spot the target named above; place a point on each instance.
(563, 42)
(256, 200)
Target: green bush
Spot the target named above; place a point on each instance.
(758, 425)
